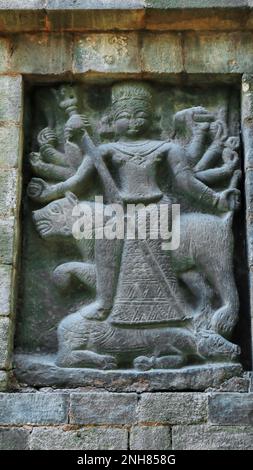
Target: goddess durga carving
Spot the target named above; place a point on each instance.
(152, 308)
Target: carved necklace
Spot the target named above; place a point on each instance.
(138, 151)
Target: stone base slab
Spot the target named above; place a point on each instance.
(41, 371)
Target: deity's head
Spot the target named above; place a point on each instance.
(131, 108)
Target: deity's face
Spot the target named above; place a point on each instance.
(131, 118)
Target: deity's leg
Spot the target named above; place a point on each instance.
(107, 261)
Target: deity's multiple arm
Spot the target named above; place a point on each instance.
(41, 191)
(196, 146)
(50, 163)
(215, 175)
(193, 188)
(49, 171)
(209, 170)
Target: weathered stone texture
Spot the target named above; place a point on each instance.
(107, 53)
(117, 4)
(173, 408)
(5, 291)
(34, 408)
(54, 52)
(10, 98)
(6, 248)
(41, 371)
(233, 408)
(4, 53)
(150, 438)
(11, 146)
(5, 342)
(14, 439)
(235, 384)
(54, 15)
(103, 408)
(212, 437)
(167, 4)
(9, 181)
(218, 52)
(82, 439)
(162, 53)
(94, 4)
(125, 52)
(3, 380)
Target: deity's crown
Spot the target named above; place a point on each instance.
(131, 90)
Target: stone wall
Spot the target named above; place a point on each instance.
(103, 420)
(173, 41)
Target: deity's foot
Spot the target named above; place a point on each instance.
(94, 311)
(214, 346)
(86, 359)
(163, 362)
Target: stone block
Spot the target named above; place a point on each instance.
(8, 192)
(90, 438)
(4, 53)
(11, 145)
(5, 291)
(96, 19)
(5, 342)
(14, 439)
(94, 4)
(10, 98)
(107, 53)
(33, 408)
(41, 371)
(103, 408)
(150, 438)
(162, 53)
(218, 52)
(26, 4)
(54, 52)
(167, 4)
(235, 384)
(231, 408)
(4, 378)
(6, 241)
(172, 408)
(251, 382)
(212, 437)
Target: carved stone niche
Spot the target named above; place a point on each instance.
(128, 313)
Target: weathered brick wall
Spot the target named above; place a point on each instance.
(104, 420)
(153, 39)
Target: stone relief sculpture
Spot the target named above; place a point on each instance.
(151, 308)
